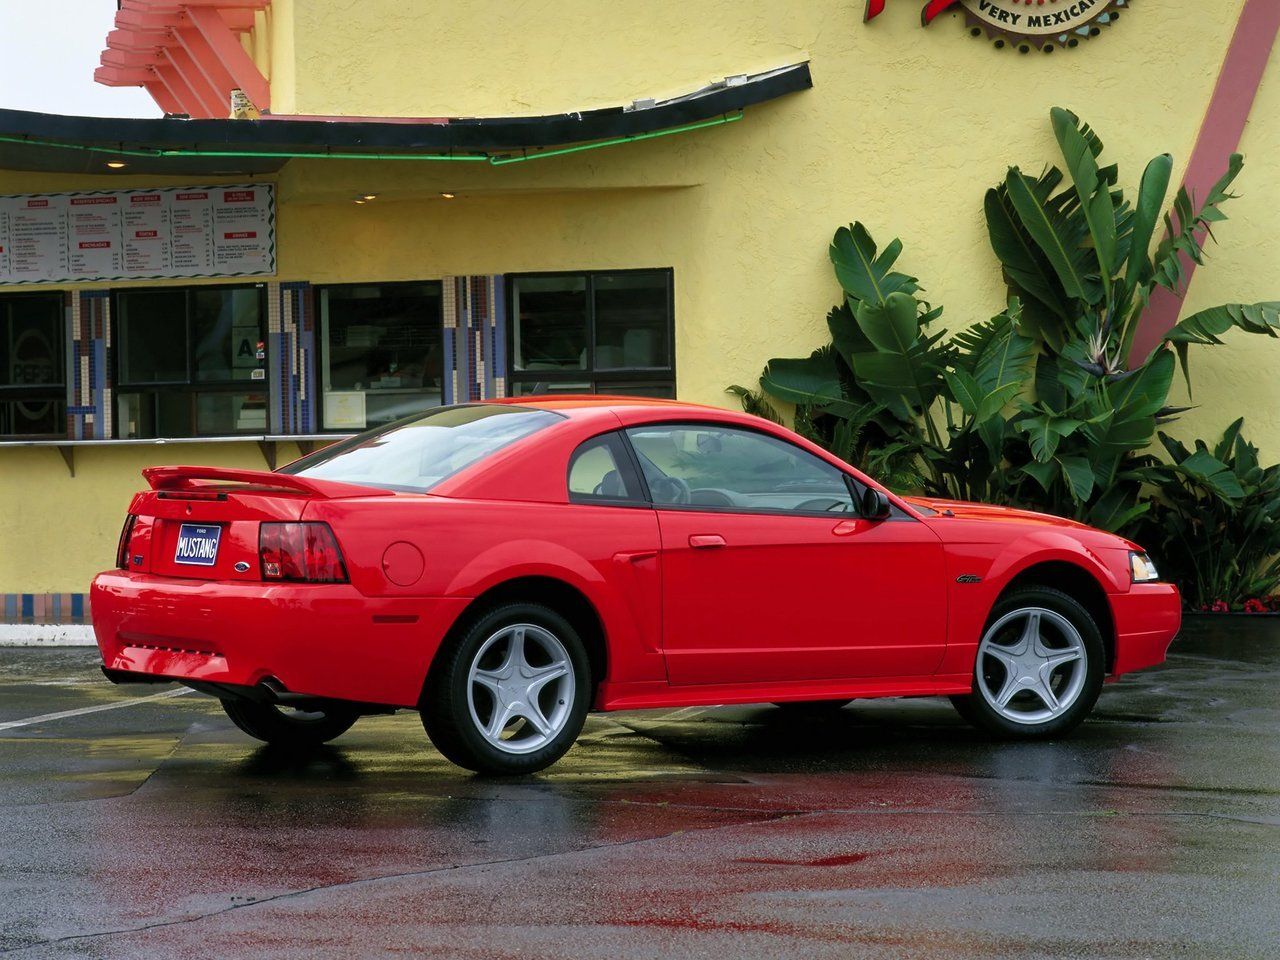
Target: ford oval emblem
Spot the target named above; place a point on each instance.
(241, 567)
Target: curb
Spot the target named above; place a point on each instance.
(46, 635)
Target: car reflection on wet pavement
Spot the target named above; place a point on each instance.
(886, 829)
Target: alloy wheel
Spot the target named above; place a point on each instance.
(1032, 665)
(520, 688)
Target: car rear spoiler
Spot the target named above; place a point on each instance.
(195, 478)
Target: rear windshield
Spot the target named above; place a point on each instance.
(416, 454)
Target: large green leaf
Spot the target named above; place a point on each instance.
(1094, 194)
(1078, 473)
(891, 326)
(1035, 217)
(1042, 473)
(1044, 431)
(1005, 358)
(846, 336)
(1212, 474)
(1117, 507)
(1143, 393)
(996, 400)
(1151, 194)
(1117, 436)
(964, 390)
(811, 380)
(863, 275)
(1207, 326)
(894, 378)
(1024, 264)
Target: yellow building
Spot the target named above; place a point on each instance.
(602, 196)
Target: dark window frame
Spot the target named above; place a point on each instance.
(322, 343)
(598, 380)
(190, 387)
(51, 392)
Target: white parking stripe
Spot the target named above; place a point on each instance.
(11, 724)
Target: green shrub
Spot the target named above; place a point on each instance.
(1214, 523)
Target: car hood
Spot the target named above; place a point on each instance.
(964, 510)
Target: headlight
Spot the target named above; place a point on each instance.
(1141, 569)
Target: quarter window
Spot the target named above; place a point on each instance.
(709, 466)
(383, 356)
(600, 470)
(593, 333)
(192, 361)
(33, 398)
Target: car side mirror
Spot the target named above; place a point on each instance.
(875, 505)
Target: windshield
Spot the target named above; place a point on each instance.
(417, 453)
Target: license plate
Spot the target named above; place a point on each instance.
(198, 545)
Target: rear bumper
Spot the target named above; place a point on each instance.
(1148, 617)
(322, 640)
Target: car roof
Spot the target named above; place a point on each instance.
(577, 405)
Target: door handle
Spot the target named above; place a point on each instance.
(845, 527)
(706, 541)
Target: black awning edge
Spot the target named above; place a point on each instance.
(468, 135)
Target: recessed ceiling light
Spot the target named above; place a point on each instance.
(447, 196)
(358, 200)
(370, 196)
(115, 164)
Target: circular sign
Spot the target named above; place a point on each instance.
(1041, 21)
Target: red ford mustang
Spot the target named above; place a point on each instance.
(505, 567)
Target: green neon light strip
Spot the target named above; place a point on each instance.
(499, 161)
(494, 159)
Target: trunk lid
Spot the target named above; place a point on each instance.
(201, 523)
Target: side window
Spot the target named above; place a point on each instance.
(706, 465)
(600, 471)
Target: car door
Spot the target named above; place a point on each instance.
(768, 571)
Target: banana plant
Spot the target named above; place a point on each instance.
(1079, 255)
(905, 401)
(1044, 405)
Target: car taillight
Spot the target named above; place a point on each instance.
(122, 548)
(300, 552)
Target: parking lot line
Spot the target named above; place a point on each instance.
(64, 714)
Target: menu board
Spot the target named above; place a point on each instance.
(168, 233)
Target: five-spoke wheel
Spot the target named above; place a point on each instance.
(520, 688)
(509, 692)
(1039, 665)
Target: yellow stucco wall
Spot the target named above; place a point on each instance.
(904, 130)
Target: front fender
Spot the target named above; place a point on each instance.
(1109, 568)
(997, 564)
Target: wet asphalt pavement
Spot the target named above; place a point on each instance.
(887, 830)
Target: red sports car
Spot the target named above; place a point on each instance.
(505, 567)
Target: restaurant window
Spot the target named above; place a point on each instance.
(33, 394)
(191, 361)
(382, 355)
(597, 332)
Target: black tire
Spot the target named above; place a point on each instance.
(975, 707)
(446, 710)
(815, 708)
(270, 724)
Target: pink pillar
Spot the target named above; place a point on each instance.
(1219, 137)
